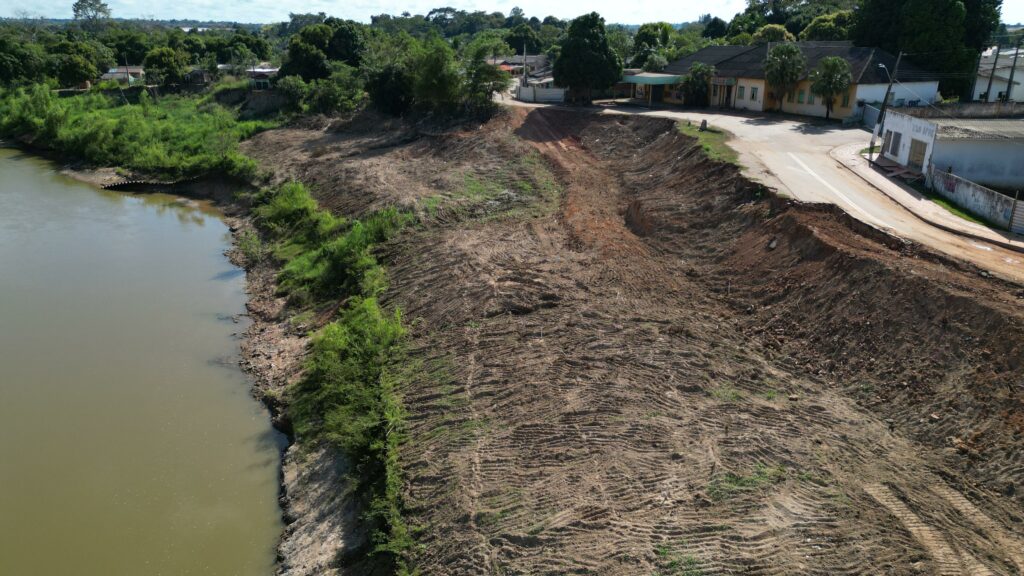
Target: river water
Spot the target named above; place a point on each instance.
(129, 444)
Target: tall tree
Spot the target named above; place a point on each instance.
(783, 69)
(715, 28)
(522, 36)
(166, 65)
(587, 61)
(829, 79)
(91, 12)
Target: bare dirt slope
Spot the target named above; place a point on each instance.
(671, 372)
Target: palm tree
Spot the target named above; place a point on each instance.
(829, 79)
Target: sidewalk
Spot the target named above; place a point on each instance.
(914, 202)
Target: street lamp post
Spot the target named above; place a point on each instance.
(885, 104)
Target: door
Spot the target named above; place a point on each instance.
(917, 150)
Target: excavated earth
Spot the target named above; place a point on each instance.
(661, 368)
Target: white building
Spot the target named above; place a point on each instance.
(986, 151)
(997, 69)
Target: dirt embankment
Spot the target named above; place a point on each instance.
(669, 371)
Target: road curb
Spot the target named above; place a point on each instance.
(950, 229)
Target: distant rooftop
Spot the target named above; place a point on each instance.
(979, 129)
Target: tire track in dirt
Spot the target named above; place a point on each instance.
(1012, 546)
(946, 560)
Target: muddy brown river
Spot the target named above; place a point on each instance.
(129, 443)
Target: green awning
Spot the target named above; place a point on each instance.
(652, 78)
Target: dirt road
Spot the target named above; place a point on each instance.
(792, 156)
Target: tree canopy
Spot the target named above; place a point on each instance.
(587, 61)
(783, 69)
(835, 26)
(772, 33)
(829, 79)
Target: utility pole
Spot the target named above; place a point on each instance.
(1013, 68)
(885, 105)
(992, 74)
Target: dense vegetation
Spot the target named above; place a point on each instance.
(347, 396)
(175, 136)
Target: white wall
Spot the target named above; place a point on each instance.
(987, 162)
(532, 94)
(747, 103)
(999, 85)
(909, 128)
(926, 92)
(993, 206)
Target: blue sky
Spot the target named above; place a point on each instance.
(629, 12)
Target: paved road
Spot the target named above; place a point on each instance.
(792, 156)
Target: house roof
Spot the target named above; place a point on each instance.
(709, 55)
(748, 62)
(123, 69)
(652, 78)
(979, 129)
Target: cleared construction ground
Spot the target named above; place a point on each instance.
(632, 360)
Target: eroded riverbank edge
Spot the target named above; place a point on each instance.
(311, 482)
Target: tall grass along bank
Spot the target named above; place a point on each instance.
(347, 396)
(173, 136)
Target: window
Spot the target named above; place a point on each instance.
(846, 99)
(739, 93)
(753, 92)
(800, 97)
(894, 148)
(810, 97)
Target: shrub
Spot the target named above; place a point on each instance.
(294, 89)
(341, 92)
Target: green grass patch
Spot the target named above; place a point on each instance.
(726, 394)
(714, 141)
(671, 562)
(729, 485)
(172, 137)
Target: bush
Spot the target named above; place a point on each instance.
(391, 90)
(341, 92)
(294, 89)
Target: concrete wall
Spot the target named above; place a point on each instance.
(989, 204)
(989, 162)
(969, 110)
(748, 103)
(531, 94)
(999, 84)
(926, 92)
(909, 128)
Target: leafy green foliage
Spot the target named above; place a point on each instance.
(73, 69)
(835, 26)
(294, 90)
(175, 136)
(436, 80)
(166, 65)
(587, 61)
(829, 79)
(715, 28)
(784, 68)
(341, 92)
(696, 84)
(940, 35)
(522, 35)
(347, 396)
(772, 33)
